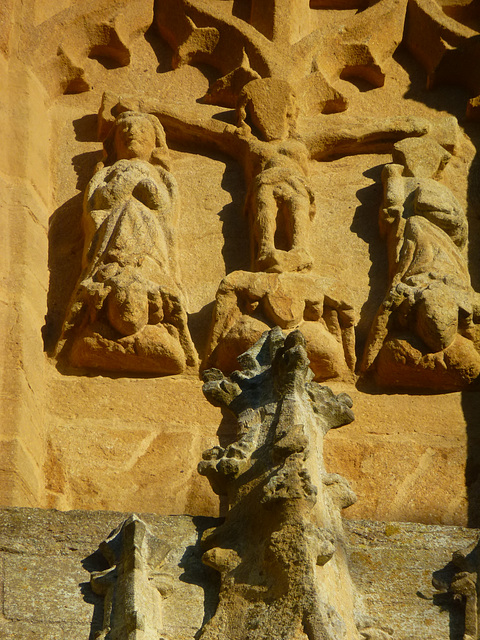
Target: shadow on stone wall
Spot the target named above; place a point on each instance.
(471, 412)
(94, 562)
(446, 602)
(365, 226)
(65, 237)
(195, 572)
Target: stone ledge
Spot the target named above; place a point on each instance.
(48, 556)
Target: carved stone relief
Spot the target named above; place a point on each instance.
(282, 536)
(134, 584)
(127, 313)
(248, 304)
(424, 334)
(444, 38)
(276, 102)
(286, 40)
(289, 91)
(463, 586)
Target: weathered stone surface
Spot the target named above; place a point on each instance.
(58, 580)
(398, 448)
(461, 583)
(424, 334)
(344, 71)
(131, 459)
(134, 584)
(127, 312)
(51, 555)
(392, 565)
(31, 631)
(247, 304)
(279, 551)
(444, 40)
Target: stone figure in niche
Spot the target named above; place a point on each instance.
(248, 304)
(127, 313)
(424, 333)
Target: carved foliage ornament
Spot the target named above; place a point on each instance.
(281, 538)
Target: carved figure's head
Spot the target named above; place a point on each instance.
(271, 106)
(421, 157)
(134, 135)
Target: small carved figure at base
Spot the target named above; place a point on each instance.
(127, 313)
(248, 304)
(425, 332)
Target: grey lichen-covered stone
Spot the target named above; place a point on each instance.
(34, 630)
(134, 583)
(279, 551)
(392, 566)
(26, 576)
(461, 582)
(49, 556)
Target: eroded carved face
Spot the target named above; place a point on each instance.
(134, 138)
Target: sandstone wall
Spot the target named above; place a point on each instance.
(106, 440)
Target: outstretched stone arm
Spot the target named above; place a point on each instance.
(193, 127)
(192, 124)
(337, 134)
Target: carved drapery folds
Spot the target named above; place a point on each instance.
(424, 334)
(280, 543)
(127, 312)
(248, 304)
(279, 68)
(275, 91)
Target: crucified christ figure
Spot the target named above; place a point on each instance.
(274, 147)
